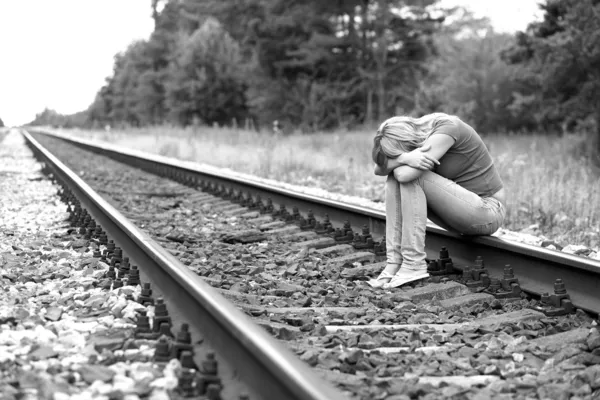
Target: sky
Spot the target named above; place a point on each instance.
(57, 53)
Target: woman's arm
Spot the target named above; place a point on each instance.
(419, 158)
(439, 146)
(390, 165)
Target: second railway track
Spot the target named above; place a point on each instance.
(470, 332)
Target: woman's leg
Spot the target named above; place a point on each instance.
(454, 206)
(414, 221)
(393, 233)
(459, 209)
(393, 221)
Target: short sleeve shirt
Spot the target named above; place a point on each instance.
(468, 162)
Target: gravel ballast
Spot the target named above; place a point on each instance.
(63, 335)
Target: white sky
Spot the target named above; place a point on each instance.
(57, 53)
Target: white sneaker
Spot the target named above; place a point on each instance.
(406, 275)
(383, 279)
(385, 276)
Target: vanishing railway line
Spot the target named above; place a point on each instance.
(296, 264)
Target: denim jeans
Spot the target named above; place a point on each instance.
(444, 202)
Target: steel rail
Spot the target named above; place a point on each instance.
(270, 370)
(536, 268)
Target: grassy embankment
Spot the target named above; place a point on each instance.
(549, 184)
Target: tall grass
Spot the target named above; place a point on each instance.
(551, 190)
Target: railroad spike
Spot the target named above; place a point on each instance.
(556, 304)
(160, 314)
(145, 296)
(476, 276)
(509, 285)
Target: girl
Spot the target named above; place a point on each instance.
(462, 192)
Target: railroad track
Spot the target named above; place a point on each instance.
(353, 329)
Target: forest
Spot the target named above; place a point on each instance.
(320, 65)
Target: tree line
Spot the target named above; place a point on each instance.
(318, 65)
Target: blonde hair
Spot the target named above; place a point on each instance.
(402, 134)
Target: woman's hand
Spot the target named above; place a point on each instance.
(419, 159)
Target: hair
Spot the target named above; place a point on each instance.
(402, 134)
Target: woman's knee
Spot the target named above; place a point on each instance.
(420, 180)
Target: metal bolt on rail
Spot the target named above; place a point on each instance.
(213, 392)
(363, 240)
(209, 373)
(238, 197)
(142, 323)
(280, 212)
(476, 276)
(183, 342)
(80, 216)
(296, 213)
(114, 262)
(186, 385)
(110, 247)
(325, 227)
(247, 200)
(82, 223)
(345, 235)
(77, 216)
(301, 221)
(160, 314)
(186, 358)
(494, 286)
(161, 350)
(380, 248)
(124, 267)
(442, 265)
(558, 303)
(89, 233)
(134, 276)
(289, 218)
(145, 297)
(165, 330)
(510, 288)
(218, 190)
(268, 207)
(118, 254)
(310, 222)
(97, 232)
(255, 204)
(74, 215)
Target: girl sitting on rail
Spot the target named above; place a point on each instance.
(462, 192)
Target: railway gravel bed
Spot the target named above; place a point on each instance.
(63, 333)
(432, 340)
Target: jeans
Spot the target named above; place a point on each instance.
(444, 202)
